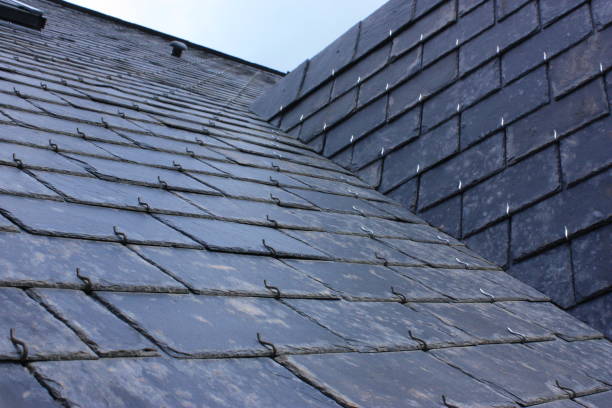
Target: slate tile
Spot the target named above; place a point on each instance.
(338, 203)
(575, 209)
(281, 94)
(89, 222)
(94, 324)
(425, 151)
(525, 291)
(504, 366)
(425, 233)
(51, 262)
(438, 255)
(424, 6)
(405, 194)
(423, 85)
(596, 313)
(467, 5)
(362, 69)
(26, 91)
(550, 9)
(16, 102)
(398, 70)
(306, 106)
(216, 273)
(584, 152)
(505, 7)
(358, 125)
(375, 28)
(45, 336)
(16, 181)
(234, 237)
(364, 282)
(552, 40)
(96, 191)
(492, 243)
(595, 400)
(463, 170)
(549, 272)
(379, 379)
(333, 186)
(446, 216)
(503, 34)
(425, 27)
(590, 260)
(462, 94)
(463, 285)
(6, 225)
(21, 390)
(552, 318)
(504, 107)
(511, 190)
(117, 170)
(602, 12)
(35, 158)
(333, 58)
(398, 212)
(388, 328)
(249, 383)
(565, 403)
(467, 27)
(352, 248)
(581, 356)
(229, 325)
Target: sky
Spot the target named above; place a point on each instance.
(274, 33)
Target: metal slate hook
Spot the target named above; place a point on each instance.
(275, 199)
(88, 285)
(121, 235)
(81, 133)
(53, 146)
(272, 221)
(421, 342)
(275, 290)
(382, 258)
(17, 161)
(490, 296)
(467, 265)
(190, 152)
(162, 183)
(522, 337)
(20, 345)
(368, 231)
(275, 166)
(570, 393)
(143, 204)
(269, 248)
(401, 296)
(274, 181)
(447, 404)
(359, 210)
(267, 345)
(177, 166)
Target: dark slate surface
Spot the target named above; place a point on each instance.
(237, 247)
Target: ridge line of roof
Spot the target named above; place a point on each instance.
(166, 35)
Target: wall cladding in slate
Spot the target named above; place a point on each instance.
(489, 118)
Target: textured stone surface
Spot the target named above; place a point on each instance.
(591, 257)
(21, 390)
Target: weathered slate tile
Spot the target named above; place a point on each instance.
(44, 335)
(335, 202)
(6, 225)
(304, 107)
(564, 403)
(519, 370)
(33, 261)
(504, 280)
(217, 273)
(117, 170)
(492, 243)
(235, 237)
(164, 382)
(380, 380)
(352, 248)
(580, 356)
(83, 221)
(96, 191)
(38, 158)
(445, 215)
(214, 326)
(439, 255)
(398, 212)
(486, 321)
(364, 282)
(390, 326)
(590, 256)
(551, 317)
(13, 180)
(94, 324)
(360, 71)
(464, 285)
(21, 390)
(602, 12)
(599, 400)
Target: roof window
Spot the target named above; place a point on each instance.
(20, 13)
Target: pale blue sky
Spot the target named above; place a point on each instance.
(275, 33)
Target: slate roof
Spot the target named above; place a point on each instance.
(162, 246)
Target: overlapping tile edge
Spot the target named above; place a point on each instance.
(185, 283)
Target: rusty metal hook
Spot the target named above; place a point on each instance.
(275, 290)
(20, 345)
(267, 345)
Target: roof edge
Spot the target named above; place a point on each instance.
(167, 36)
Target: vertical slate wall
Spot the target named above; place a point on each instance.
(489, 118)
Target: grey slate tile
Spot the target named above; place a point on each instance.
(6, 225)
(397, 212)
(284, 93)
(363, 68)
(44, 335)
(599, 400)
(389, 325)
(505, 366)
(216, 273)
(34, 261)
(590, 259)
(549, 316)
(214, 326)
(13, 180)
(21, 390)
(364, 282)
(602, 13)
(492, 243)
(352, 248)
(94, 324)
(234, 237)
(486, 322)
(89, 222)
(338, 203)
(163, 382)
(596, 313)
(38, 158)
(379, 380)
